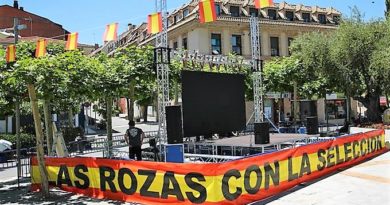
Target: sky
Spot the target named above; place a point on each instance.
(89, 17)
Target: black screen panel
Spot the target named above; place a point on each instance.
(212, 103)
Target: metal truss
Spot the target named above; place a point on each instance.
(258, 92)
(162, 64)
(195, 60)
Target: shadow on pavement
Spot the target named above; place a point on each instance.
(24, 196)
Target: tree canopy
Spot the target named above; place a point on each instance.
(354, 60)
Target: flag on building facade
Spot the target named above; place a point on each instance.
(71, 44)
(40, 51)
(154, 23)
(207, 12)
(263, 3)
(111, 32)
(11, 54)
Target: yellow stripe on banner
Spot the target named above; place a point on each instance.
(155, 23)
(264, 3)
(288, 170)
(72, 45)
(208, 12)
(111, 32)
(213, 184)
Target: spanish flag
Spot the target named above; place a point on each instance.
(71, 44)
(11, 54)
(263, 3)
(207, 11)
(111, 32)
(154, 23)
(40, 51)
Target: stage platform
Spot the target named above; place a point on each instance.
(249, 141)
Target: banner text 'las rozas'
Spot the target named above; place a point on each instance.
(235, 182)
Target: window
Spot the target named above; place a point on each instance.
(290, 40)
(290, 15)
(185, 43)
(254, 12)
(306, 17)
(322, 18)
(272, 14)
(174, 19)
(175, 45)
(235, 11)
(336, 19)
(218, 9)
(144, 34)
(236, 44)
(274, 46)
(216, 43)
(186, 12)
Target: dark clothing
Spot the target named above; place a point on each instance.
(135, 151)
(134, 135)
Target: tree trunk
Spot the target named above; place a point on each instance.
(109, 126)
(296, 105)
(131, 102)
(48, 125)
(176, 94)
(145, 112)
(374, 113)
(155, 102)
(6, 124)
(39, 139)
(70, 118)
(348, 101)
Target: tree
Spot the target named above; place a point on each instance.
(138, 69)
(109, 85)
(351, 60)
(356, 44)
(387, 13)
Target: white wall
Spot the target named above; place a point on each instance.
(2, 126)
(354, 130)
(199, 39)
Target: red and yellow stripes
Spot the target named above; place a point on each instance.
(71, 43)
(40, 51)
(237, 182)
(11, 54)
(154, 23)
(263, 3)
(207, 12)
(111, 32)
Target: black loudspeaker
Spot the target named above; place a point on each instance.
(262, 133)
(174, 124)
(312, 125)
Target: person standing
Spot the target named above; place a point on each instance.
(134, 137)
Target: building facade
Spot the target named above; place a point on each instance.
(36, 25)
(279, 26)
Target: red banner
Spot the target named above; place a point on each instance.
(236, 182)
